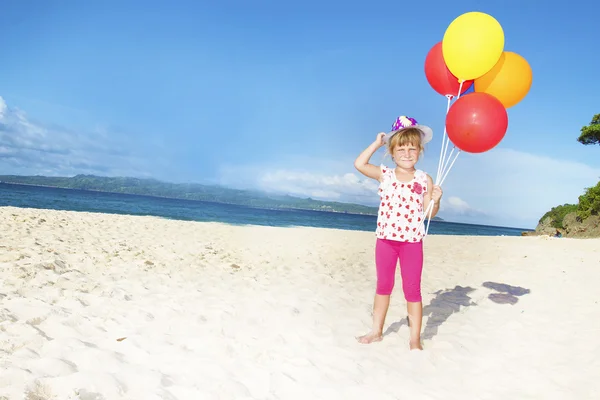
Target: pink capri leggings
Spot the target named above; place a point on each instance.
(410, 254)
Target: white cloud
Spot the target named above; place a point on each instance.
(501, 187)
(316, 185)
(349, 187)
(27, 147)
(517, 186)
(329, 186)
(456, 206)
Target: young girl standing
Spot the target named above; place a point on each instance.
(405, 193)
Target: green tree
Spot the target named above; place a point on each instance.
(557, 214)
(591, 134)
(589, 202)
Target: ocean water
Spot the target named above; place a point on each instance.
(189, 210)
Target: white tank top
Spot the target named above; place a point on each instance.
(401, 212)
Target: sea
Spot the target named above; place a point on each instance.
(39, 197)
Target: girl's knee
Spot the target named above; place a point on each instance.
(386, 259)
(414, 297)
(384, 288)
(412, 292)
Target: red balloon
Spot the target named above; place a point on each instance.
(476, 122)
(439, 76)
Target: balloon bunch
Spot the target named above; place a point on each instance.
(472, 54)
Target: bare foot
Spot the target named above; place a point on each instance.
(416, 345)
(370, 338)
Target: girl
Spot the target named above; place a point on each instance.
(405, 194)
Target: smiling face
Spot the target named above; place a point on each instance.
(405, 147)
(406, 156)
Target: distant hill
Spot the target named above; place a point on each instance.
(189, 191)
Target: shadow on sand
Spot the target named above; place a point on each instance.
(447, 302)
(508, 294)
(443, 305)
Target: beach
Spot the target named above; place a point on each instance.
(108, 307)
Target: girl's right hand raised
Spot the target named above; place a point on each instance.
(379, 140)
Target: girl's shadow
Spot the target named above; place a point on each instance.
(443, 305)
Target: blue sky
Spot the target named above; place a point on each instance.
(282, 96)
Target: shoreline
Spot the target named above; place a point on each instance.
(283, 209)
(251, 225)
(374, 214)
(291, 225)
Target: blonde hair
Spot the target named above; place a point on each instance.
(406, 137)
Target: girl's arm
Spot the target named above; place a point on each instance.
(362, 161)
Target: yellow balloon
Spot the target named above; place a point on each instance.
(472, 45)
(509, 80)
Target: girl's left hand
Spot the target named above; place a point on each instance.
(436, 194)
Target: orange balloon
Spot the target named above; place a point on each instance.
(509, 80)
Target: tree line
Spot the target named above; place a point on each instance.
(589, 202)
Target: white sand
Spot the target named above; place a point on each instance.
(211, 311)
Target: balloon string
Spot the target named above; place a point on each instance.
(439, 169)
(445, 139)
(444, 171)
(449, 168)
(439, 183)
(443, 168)
(429, 210)
(459, 89)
